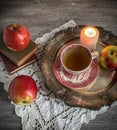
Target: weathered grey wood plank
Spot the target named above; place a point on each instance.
(105, 121)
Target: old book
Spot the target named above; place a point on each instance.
(12, 68)
(19, 57)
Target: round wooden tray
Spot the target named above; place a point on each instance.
(103, 92)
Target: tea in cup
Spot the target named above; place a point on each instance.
(76, 58)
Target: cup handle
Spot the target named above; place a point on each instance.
(94, 54)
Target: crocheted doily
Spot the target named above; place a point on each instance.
(47, 112)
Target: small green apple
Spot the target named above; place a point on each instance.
(108, 57)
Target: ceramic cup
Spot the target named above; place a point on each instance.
(76, 58)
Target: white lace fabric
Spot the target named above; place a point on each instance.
(48, 112)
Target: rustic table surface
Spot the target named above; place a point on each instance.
(41, 16)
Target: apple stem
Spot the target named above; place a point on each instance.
(14, 26)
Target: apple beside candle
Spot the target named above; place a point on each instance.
(89, 37)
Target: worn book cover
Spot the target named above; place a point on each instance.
(12, 68)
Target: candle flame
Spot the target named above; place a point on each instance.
(90, 32)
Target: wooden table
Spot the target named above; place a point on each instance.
(41, 16)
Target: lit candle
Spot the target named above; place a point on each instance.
(89, 37)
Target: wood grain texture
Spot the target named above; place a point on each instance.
(41, 16)
(8, 119)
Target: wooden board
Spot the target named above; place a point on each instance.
(20, 57)
(12, 68)
(93, 98)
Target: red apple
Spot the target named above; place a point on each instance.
(22, 90)
(108, 57)
(16, 37)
